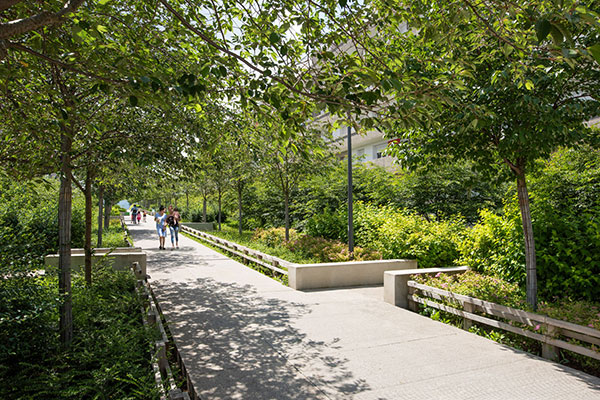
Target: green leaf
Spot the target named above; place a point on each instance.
(342, 3)
(569, 53)
(595, 52)
(542, 29)
(133, 100)
(557, 36)
(529, 85)
(396, 84)
(274, 38)
(103, 2)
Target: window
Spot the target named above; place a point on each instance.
(378, 150)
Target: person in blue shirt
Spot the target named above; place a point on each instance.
(161, 227)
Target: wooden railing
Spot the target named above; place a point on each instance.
(551, 329)
(246, 253)
(163, 374)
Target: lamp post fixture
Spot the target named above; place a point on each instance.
(350, 215)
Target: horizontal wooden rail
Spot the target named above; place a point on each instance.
(244, 252)
(163, 375)
(555, 327)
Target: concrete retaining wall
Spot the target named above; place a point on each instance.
(353, 273)
(395, 286)
(120, 259)
(200, 226)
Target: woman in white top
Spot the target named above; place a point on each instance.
(161, 228)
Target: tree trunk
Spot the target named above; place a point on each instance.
(286, 195)
(204, 209)
(187, 203)
(107, 211)
(530, 260)
(64, 244)
(100, 209)
(219, 216)
(87, 246)
(239, 188)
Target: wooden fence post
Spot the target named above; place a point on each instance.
(548, 351)
(412, 306)
(467, 323)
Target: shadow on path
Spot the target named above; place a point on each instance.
(237, 344)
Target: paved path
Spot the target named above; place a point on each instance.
(244, 336)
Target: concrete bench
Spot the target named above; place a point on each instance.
(120, 258)
(340, 274)
(395, 283)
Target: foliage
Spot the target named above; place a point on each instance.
(116, 210)
(273, 236)
(110, 353)
(579, 312)
(27, 318)
(333, 225)
(401, 234)
(327, 250)
(246, 239)
(29, 224)
(484, 287)
(566, 207)
(494, 246)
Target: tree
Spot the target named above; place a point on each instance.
(286, 157)
(511, 101)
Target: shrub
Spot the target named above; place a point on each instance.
(328, 226)
(400, 234)
(494, 246)
(273, 237)
(326, 250)
(477, 285)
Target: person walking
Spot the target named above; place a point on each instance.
(173, 222)
(161, 227)
(134, 212)
(139, 216)
(144, 216)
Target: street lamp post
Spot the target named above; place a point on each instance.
(350, 215)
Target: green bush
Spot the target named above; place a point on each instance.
(116, 210)
(566, 211)
(327, 250)
(400, 234)
(29, 225)
(328, 226)
(273, 236)
(480, 286)
(494, 246)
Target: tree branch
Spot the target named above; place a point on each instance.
(6, 4)
(21, 26)
(66, 66)
(211, 42)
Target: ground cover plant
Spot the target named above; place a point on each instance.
(110, 354)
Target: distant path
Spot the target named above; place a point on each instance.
(244, 336)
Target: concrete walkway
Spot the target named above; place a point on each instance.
(243, 335)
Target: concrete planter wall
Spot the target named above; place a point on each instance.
(200, 226)
(120, 258)
(353, 273)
